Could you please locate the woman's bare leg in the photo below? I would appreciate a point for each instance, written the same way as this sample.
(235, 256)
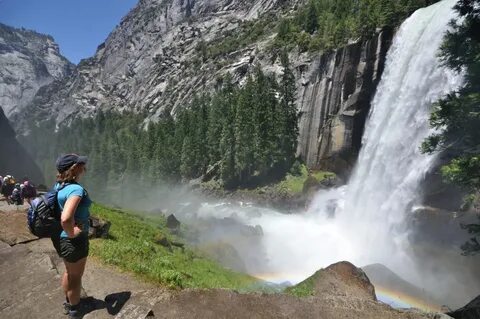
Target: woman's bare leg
(73, 279)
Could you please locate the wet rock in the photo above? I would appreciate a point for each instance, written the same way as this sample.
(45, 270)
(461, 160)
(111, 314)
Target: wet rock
(469, 311)
(335, 99)
(165, 242)
(173, 223)
(310, 185)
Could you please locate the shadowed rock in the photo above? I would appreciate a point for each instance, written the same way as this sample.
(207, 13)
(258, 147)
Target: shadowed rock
(14, 159)
(469, 311)
(172, 222)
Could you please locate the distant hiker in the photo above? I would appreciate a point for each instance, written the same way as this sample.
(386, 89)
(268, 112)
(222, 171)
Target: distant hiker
(28, 191)
(7, 187)
(16, 197)
(71, 243)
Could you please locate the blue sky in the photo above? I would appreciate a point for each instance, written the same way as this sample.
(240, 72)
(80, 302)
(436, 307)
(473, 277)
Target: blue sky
(78, 26)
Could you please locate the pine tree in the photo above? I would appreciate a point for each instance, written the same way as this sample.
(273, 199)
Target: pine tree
(228, 147)
(264, 121)
(311, 18)
(288, 112)
(245, 132)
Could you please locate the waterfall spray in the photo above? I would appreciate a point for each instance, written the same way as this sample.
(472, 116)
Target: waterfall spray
(368, 225)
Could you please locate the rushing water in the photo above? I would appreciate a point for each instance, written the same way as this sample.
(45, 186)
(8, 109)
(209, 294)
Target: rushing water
(364, 221)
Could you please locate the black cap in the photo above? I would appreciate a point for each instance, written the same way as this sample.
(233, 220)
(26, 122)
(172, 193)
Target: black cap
(64, 162)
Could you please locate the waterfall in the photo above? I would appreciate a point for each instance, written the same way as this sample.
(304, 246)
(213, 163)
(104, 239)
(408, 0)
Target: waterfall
(364, 221)
(385, 182)
(369, 221)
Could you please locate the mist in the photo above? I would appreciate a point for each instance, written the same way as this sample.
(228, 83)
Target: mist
(377, 217)
(286, 248)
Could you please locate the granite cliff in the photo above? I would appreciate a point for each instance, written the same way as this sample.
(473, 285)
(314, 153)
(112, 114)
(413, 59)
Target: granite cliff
(14, 159)
(154, 61)
(28, 61)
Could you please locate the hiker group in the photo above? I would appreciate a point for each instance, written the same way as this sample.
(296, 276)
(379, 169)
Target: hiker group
(16, 193)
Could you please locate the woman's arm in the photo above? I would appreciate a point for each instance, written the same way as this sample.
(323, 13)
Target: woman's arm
(67, 219)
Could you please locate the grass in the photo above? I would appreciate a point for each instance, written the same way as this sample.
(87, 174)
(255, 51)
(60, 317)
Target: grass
(132, 248)
(293, 184)
(304, 288)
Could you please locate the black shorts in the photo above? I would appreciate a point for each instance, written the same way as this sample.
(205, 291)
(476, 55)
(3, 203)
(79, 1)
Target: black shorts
(71, 249)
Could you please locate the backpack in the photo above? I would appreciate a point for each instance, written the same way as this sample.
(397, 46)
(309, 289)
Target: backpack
(43, 216)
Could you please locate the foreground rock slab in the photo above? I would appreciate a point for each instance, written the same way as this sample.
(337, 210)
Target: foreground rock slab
(30, 288)
(13, 224)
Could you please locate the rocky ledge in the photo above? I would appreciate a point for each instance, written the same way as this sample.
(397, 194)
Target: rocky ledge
(339, 291)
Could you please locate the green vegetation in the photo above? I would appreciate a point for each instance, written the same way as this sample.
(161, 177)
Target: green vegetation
(132, 247)
(316, 25)
(294, 183)
(329, 24)
(457, 117)
(305, 288)
(241, 135)
(247, 33)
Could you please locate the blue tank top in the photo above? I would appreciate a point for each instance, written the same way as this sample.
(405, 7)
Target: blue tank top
(82, 212)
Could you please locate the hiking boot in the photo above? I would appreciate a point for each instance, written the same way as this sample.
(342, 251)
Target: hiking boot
(74, 314)
(66, 308)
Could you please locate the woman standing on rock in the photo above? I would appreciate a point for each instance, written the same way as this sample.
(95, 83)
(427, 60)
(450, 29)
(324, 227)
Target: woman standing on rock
(71, 242)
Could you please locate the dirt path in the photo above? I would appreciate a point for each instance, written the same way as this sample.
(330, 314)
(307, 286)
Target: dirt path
(30, 272)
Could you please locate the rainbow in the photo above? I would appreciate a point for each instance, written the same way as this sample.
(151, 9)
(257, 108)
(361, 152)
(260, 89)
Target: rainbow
(398, 299)
(394, 298)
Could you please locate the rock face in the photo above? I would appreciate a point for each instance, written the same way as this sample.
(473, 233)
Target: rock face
(153, 62)
(470, 311)
(334, 100)
(150, 61)
(14, 159)
(28, 61)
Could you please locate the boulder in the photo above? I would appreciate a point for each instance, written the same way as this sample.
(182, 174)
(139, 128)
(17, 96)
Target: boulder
(172, 222)
(98, 227)
(345, 276)
(469, 311)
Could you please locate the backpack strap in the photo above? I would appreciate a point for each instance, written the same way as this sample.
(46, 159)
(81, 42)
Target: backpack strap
(65, 184)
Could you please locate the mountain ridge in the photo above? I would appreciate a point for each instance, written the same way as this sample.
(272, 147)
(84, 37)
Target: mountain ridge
(29, 60)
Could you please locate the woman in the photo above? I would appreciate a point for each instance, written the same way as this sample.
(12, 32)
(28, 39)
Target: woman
(71, 242)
